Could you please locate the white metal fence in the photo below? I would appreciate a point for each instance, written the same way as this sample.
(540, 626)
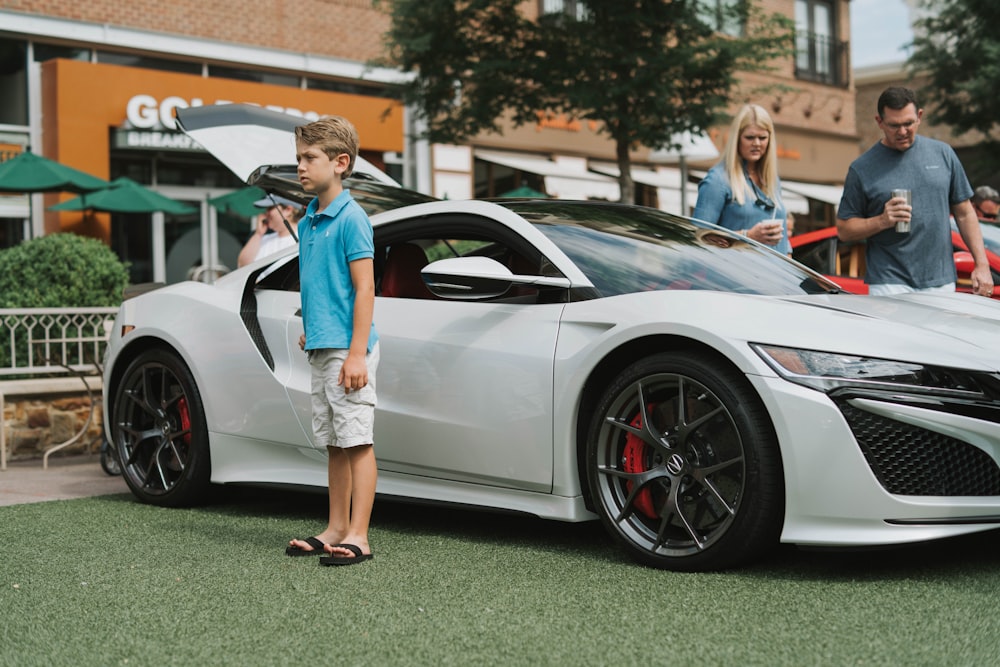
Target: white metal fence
(43, 341)
(50, 342)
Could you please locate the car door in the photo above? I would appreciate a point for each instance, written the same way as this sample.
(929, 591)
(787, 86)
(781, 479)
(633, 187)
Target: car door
(273, 314)
(465, 388)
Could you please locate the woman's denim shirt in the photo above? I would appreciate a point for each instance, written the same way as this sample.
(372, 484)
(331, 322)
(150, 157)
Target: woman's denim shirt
(716, 204)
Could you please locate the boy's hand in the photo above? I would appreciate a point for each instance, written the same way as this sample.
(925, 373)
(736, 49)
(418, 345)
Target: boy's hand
(302, 341)
(353, 374)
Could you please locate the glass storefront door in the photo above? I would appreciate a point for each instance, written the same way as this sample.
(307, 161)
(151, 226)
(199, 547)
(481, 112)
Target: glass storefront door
(172, 248)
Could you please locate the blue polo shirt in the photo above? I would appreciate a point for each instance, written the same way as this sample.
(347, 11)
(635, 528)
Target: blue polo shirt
(329, 240)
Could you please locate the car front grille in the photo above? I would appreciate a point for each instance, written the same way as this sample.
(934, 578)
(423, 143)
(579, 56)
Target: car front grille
(912, 461)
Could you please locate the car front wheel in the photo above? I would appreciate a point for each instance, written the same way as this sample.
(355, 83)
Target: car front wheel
(683, 464)
(159, 431)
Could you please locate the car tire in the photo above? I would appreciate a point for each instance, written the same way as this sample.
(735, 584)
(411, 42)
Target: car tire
(683, 464)
(159, 432)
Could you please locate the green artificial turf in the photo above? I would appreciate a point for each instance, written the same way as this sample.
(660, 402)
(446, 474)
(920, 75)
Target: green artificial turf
(108, 581)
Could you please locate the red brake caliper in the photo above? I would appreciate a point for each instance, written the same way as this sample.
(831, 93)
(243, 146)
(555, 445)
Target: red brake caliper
(634, 456)
(185, 415)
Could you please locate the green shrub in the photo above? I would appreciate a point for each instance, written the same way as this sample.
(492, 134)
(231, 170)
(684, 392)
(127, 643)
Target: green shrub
(61, 271)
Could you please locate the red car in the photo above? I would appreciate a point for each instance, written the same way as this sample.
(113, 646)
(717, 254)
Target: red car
(844, 262)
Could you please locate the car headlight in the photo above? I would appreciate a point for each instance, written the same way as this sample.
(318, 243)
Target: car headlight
(830, 371)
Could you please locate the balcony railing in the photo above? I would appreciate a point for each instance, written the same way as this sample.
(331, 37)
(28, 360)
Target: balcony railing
(822, 59)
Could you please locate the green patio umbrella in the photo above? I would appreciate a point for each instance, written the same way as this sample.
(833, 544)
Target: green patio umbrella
(124, 195)
(27, 173)
(524, 192)
(239, 202)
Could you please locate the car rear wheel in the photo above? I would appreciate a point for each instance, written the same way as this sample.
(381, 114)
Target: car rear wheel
(159, 431)
(683, 465)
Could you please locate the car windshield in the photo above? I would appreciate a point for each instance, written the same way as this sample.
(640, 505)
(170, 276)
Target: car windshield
(625, 249)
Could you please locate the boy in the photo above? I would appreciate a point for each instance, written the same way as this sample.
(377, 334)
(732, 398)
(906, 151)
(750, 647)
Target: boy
(336, 271)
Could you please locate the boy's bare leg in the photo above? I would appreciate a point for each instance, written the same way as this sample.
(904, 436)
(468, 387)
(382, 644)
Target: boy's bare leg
(339, 479)
(363, 475)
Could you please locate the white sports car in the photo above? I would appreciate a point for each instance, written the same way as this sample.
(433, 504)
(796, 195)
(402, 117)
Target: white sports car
(701, 395)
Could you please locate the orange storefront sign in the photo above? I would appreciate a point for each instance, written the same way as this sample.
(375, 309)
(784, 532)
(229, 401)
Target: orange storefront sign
(82, 102)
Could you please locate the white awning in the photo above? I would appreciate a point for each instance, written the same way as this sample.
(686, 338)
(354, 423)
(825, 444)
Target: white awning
(669, 199)
(666, 177)
(794, 203)
(829, 194)
(565, 177)
(691, 147)
(14, 206)
(666, 180)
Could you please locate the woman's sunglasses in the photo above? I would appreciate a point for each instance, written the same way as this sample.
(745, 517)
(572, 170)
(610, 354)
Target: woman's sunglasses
(764, 202)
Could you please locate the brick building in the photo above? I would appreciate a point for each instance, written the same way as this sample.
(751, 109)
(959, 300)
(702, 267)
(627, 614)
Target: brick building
(94, 85)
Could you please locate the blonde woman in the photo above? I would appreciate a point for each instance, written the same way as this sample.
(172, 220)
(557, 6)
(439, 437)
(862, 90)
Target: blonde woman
(742, 192)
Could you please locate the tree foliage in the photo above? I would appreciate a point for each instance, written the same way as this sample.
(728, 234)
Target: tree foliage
(646, 70)
(60, 271)
(958, 47)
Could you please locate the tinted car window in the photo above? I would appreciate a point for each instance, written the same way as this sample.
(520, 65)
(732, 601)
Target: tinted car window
(624, 249)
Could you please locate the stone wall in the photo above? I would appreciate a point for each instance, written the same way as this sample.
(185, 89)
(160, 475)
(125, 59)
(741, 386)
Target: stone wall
(34, 422)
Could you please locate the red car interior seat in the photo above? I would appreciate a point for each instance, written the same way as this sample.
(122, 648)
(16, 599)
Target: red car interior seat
(401, 277)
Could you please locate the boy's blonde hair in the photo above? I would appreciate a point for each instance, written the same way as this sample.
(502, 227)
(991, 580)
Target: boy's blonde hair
(334, 135)
(751, 114)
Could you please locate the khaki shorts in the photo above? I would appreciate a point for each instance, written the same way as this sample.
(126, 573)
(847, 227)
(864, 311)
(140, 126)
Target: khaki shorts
(339, 418)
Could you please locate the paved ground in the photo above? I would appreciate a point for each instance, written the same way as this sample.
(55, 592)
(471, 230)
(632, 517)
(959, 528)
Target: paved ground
(66, 477)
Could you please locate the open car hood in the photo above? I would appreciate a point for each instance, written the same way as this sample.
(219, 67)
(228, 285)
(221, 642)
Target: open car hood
(258, 145)
(243, 137)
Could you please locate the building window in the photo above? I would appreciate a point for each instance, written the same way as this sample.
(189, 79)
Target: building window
(576, 9)
(13, 82)
(241, 74)
(11, 232)
(44, 52)
(820, 56)
(351, 87)
(148, 62)
(722, 15)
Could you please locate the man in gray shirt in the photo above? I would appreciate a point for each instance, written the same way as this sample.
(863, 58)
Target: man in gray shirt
(919, 259)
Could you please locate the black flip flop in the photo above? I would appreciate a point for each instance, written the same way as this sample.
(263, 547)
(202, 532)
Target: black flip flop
(358, 556)
(316, 544)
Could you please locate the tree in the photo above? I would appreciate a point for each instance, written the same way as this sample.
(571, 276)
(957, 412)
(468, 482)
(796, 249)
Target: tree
(958, 47)
(646, 70)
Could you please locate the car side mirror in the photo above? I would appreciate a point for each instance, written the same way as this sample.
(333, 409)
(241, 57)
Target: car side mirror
(467, 278)
(474, 278)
